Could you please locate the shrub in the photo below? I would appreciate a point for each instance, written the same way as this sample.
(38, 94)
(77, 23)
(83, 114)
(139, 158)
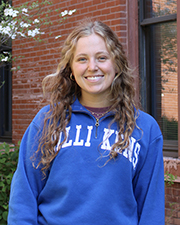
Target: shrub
(8, 164)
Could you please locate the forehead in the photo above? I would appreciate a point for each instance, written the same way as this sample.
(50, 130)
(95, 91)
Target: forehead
(91, 42)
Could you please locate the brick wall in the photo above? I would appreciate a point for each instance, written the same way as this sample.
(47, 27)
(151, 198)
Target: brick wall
(40, 59)
(172, 205)
(172, 192)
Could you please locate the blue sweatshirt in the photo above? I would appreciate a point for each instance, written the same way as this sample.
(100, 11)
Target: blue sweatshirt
(81, 188)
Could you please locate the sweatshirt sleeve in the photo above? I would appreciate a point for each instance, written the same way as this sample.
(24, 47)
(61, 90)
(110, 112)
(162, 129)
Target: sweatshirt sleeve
(149, 185)
(27, 182)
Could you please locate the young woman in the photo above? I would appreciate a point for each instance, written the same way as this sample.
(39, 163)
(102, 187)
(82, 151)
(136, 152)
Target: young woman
(90, 156)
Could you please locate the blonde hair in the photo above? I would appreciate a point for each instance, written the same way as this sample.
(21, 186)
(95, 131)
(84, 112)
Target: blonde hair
(63, 91)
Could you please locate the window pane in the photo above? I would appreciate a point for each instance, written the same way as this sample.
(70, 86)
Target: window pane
(156, 8)
(169, 82)
(5, 101)
(164, 83)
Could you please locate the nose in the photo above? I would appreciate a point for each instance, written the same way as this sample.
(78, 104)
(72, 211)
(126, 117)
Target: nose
(92, 65)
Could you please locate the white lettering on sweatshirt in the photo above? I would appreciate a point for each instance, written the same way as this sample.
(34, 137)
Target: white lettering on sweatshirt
(131, 152)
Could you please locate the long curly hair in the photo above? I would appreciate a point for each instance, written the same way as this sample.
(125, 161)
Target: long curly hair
(63, 91)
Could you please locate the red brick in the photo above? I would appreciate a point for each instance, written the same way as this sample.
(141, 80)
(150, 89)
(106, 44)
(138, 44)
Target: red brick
(87, 4)
(176, 221)
(42, 58)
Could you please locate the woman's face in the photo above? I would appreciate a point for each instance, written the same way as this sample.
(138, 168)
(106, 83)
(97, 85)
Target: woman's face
(93, 67)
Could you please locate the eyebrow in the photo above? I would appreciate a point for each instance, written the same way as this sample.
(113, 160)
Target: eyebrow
(97, 53)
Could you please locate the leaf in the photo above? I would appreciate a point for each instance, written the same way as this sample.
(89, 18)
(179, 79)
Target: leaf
(8, 164)
(4, 215)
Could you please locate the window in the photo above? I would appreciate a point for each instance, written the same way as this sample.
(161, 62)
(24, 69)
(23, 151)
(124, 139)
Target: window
(5, 95)
(158, 67)
(5, 102)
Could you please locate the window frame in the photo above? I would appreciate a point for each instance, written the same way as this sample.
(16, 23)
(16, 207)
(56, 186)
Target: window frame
(6, 94)
(6, 103)
(171, 148)
(178, 56)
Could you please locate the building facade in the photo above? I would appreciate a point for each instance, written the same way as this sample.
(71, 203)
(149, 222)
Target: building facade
(150, 33)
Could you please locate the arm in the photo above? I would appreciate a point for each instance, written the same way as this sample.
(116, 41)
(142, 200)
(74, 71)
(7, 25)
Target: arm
(26, 184)
(149, 186)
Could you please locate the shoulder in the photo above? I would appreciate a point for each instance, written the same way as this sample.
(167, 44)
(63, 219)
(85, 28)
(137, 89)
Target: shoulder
(148, 124)
(146, 120)
(40, 116)
(149, 137)
(34, 131)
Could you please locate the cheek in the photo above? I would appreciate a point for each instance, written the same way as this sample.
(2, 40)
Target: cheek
(77, 69)
(110, 69)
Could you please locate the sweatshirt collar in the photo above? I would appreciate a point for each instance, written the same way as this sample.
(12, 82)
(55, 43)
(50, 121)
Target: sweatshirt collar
(77, 106)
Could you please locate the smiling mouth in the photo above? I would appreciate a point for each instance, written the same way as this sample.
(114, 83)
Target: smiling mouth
(94, 77)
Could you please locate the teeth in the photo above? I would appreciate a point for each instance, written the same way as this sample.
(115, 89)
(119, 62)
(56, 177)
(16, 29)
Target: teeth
(92, 78)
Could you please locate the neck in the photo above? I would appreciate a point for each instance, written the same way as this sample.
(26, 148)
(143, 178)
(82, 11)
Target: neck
(94, 101)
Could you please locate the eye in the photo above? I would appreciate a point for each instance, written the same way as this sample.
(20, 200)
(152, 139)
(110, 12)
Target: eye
(82, 59)
(102, 58)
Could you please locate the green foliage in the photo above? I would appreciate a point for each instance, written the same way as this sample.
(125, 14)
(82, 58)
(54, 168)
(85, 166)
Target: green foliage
(169, 178)
(1, 84)
(8, 164)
